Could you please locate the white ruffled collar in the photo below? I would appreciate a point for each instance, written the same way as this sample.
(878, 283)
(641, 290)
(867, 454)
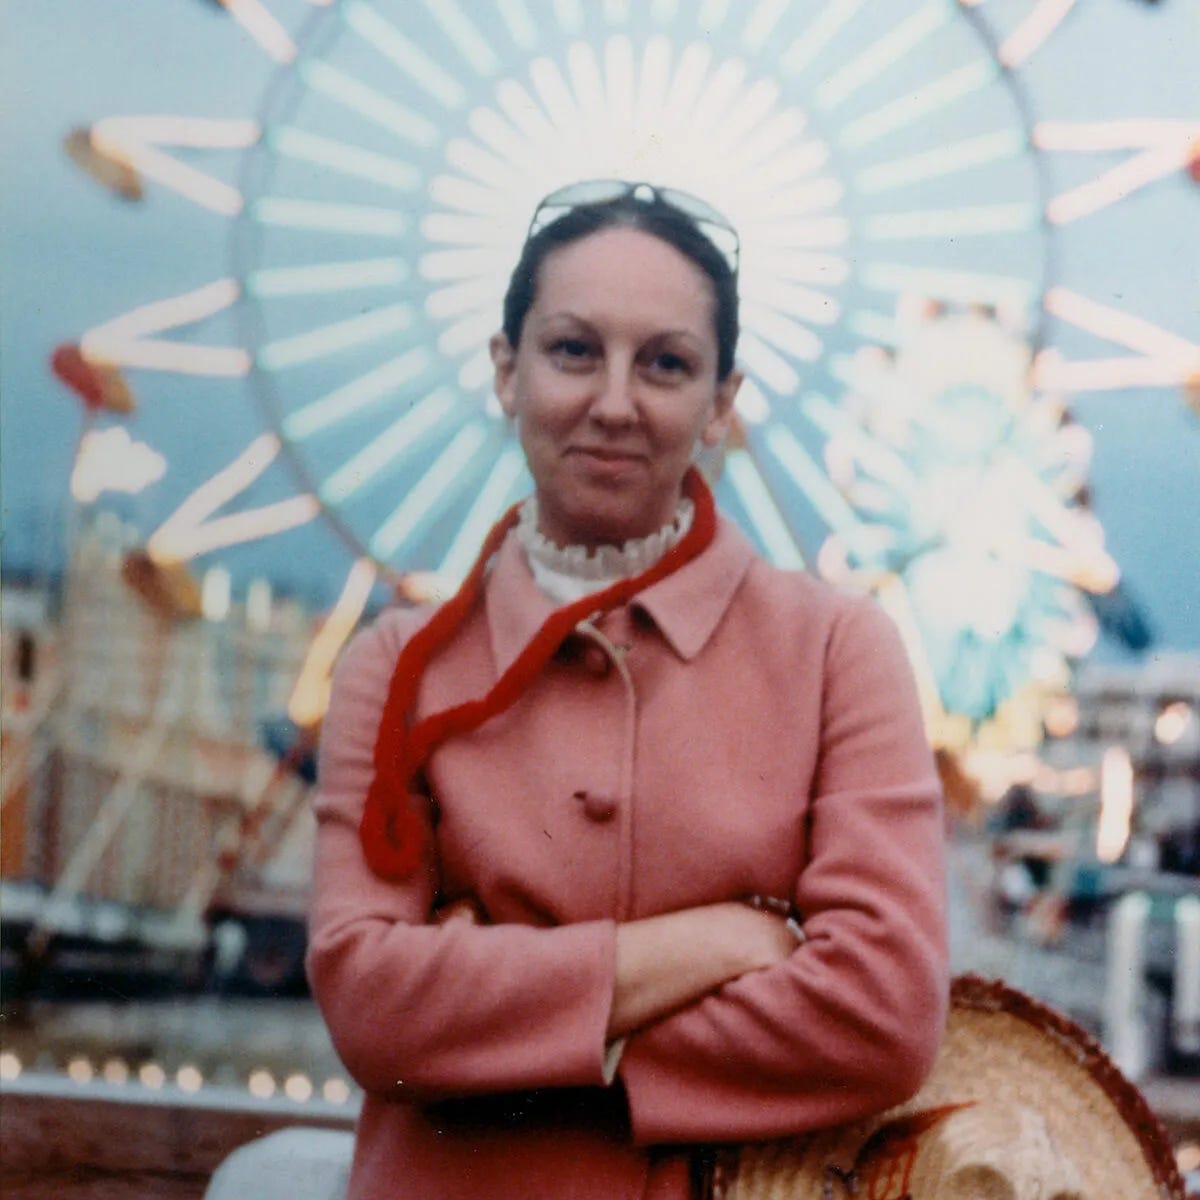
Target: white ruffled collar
(567, 573)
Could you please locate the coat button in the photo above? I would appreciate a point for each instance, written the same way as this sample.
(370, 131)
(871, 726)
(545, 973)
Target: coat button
(597, 806)
(596, 662)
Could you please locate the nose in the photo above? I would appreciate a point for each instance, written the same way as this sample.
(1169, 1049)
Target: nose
(615, 401)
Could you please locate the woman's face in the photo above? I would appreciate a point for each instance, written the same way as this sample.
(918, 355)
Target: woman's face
(613, 382)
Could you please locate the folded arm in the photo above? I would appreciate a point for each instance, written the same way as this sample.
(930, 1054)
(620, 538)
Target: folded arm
(850, 1022)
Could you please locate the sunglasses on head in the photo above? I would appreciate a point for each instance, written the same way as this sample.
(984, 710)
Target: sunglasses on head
(584, 192)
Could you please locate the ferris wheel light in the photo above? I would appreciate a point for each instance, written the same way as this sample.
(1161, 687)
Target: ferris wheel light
(569, 14)
(820, 32)
(417, 506)
(368, 102)
(346, 160)
(771, 368)
(751, 405)
(1116, 326)
(351, 398)
(768, 521)
(945, 160)
(327, 340)
(875, 327)
(1116, 804)
(400, 438)
(785, 334)
(109, 460)
(235, 529)
(498, 486)
(156, 355)
(978, 221)
(810, 479)
(185, 309)
(380, 34)
(882, 54)
(520, 24)
(358, 219)
(761, 23)
(257, 20)
(465, 35)
(310, 695)
(931, 98)
(966, 287)
(1132, 133)
(1024, 41)
(327, 277)
(1119, 182)
(1112, 374)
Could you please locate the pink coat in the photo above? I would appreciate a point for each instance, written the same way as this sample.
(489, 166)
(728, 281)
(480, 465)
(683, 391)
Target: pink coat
(735, 730)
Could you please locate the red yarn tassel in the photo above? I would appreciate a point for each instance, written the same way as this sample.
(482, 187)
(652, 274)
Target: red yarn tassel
(393, 838)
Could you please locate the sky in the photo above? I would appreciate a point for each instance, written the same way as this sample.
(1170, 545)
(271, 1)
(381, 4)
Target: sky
(72, 255)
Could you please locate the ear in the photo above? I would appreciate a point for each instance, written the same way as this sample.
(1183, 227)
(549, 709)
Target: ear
(717, 426)
(504, 371)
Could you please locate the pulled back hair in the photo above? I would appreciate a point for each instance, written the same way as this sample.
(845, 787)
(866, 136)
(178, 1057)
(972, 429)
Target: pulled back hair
(653, 217)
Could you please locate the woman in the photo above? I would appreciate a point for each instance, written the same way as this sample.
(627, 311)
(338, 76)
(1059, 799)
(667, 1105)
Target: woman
(569, 824)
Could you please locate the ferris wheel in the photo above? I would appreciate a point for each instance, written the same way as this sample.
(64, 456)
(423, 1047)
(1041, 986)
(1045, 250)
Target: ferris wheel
(905, 424)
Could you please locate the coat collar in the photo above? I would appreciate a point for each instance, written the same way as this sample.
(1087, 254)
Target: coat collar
(686, 607)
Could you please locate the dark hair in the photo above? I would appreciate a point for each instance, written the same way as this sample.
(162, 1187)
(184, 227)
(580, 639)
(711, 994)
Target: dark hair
(653, 217)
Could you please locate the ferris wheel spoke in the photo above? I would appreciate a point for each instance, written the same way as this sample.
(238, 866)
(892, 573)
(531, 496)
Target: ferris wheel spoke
(496, 490)
(333, 338)
(811, 479)
(382, 36)
(771, 368)
(355, 397)
(321, 278)
(519, 22)
(569, 15)
(310, 694)
(427, 493)
(882, 54)
(124, 340)
(966, 287)
(783, 333)
(1033, 32)
(402, 439)
(263, 26)
(192, 529)
(760, 507)
(983, 220)
(345, 159)
(959, 156)
(359, 220)
(464, 35)
(138, 142)
(368, 102)
(924, 102)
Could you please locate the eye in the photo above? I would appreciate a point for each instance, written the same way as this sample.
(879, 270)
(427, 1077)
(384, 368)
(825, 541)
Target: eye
(668, 366)
(572, 352)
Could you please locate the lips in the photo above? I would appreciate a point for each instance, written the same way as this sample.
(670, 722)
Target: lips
(608, 454)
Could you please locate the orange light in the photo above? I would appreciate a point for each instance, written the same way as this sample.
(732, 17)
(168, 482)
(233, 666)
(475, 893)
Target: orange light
(1172, 723)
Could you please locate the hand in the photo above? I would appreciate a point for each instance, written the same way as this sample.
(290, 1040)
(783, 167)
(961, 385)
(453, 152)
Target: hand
(465, 910)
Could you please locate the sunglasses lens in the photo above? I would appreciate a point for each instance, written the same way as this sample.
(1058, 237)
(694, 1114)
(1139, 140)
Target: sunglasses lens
(602, 191)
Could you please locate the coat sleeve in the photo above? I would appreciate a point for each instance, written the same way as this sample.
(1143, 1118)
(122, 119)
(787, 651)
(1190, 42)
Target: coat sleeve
(427, 1011)
(850, 1024)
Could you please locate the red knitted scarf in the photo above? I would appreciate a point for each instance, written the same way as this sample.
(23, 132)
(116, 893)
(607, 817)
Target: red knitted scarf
(392, 836)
